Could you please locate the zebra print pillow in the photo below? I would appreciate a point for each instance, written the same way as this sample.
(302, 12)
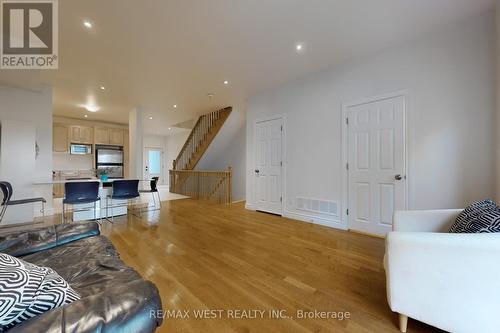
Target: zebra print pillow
(481, 216)
(27, 290)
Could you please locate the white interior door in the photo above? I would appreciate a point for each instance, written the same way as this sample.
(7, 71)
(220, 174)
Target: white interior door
(268, 165)
(376, 164)
(153, 164)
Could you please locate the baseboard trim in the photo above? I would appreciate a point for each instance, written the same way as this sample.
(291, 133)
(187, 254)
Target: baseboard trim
(332, 223)
(250, 206)
(238, 201)
(366, 233)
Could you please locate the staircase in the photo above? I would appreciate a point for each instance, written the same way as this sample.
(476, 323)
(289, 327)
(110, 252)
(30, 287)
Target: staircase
(211, 185)
(201, 136)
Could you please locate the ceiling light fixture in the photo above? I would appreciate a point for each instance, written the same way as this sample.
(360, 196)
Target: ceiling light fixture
(299, 47)
(226, 82)
(87, 24)
(175, 106)
(91, 108)
(150, 118)
(86, 116)
(102, 88)
(170, 128)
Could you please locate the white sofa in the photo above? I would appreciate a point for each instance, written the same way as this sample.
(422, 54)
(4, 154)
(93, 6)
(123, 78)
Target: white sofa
(450, 281)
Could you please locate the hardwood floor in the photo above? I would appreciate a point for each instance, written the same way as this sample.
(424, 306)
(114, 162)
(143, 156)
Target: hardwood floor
(223, 257)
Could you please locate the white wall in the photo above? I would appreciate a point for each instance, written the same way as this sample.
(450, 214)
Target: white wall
(136, 148)
(228, 149)
(449, 76)
(174, 146)
(31, 107)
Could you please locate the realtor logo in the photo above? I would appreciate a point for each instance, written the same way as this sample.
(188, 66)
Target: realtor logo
(29, 34)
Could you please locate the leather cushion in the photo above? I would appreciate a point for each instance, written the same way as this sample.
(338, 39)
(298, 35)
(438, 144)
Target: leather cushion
(24, 242)
(114, 297)
(27, 290)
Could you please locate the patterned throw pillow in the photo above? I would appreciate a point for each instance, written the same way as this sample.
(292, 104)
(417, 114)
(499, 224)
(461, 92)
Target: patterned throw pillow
(27, 290)
(481, 216)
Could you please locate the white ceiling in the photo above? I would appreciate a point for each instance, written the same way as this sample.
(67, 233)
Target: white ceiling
(156, 53)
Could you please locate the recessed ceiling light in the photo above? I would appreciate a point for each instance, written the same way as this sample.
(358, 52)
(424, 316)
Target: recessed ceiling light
(91, 108)
(86, 116)
(299, 47)
(102, 88)
(175, 106)
(87, 24)
(170, 128)
(150, 118)
(226, 82)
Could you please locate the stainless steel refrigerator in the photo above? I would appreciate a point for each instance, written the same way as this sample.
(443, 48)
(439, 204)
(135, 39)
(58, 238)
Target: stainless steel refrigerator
(109, 158)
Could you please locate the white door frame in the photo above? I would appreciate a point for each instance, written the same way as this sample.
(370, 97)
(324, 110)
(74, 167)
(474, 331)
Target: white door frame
(281, 116)
(345, 148)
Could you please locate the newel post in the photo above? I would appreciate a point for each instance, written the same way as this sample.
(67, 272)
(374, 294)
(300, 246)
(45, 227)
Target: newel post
(229, 194)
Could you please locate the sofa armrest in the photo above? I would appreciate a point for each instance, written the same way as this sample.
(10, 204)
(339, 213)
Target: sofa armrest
(439, 220)
(446, 280)
(20, 243)
(132, 307)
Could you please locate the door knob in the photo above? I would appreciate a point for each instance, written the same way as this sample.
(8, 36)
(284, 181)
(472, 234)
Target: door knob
(398, 177)
(257, 170)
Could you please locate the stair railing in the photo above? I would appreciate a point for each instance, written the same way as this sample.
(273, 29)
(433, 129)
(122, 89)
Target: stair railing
(200, 184)
(197, 139)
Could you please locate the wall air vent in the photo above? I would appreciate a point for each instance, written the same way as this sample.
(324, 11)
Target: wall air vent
(317, 206)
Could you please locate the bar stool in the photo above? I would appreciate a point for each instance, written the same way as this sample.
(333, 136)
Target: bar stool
(153, 189)
(122, 190)
(81, 193)
(7, 191)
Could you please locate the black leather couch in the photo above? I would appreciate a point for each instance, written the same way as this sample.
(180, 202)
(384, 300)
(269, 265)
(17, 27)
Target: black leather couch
(114, 297)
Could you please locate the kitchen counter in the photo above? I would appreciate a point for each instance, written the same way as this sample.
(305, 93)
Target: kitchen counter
(62, 181)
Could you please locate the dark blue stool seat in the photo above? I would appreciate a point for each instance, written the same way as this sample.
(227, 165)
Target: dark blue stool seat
(81, 193)
(126, 189)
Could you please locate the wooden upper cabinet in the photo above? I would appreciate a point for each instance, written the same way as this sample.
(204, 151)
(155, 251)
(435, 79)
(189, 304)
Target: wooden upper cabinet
(116, 136)
(87, 134)
(60, 142)
(80, 134)
(64, 135)
(101, 136)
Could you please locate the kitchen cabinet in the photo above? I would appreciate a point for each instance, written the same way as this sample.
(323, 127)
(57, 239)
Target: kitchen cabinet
(60, 142)
(80, 134)
(65, 134)
(101, 136)
(116, 136)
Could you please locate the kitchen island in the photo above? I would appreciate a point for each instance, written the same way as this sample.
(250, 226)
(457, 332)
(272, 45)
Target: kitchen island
(102, 209)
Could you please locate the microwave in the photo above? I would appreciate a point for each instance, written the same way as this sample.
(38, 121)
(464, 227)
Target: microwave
(78, 149)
